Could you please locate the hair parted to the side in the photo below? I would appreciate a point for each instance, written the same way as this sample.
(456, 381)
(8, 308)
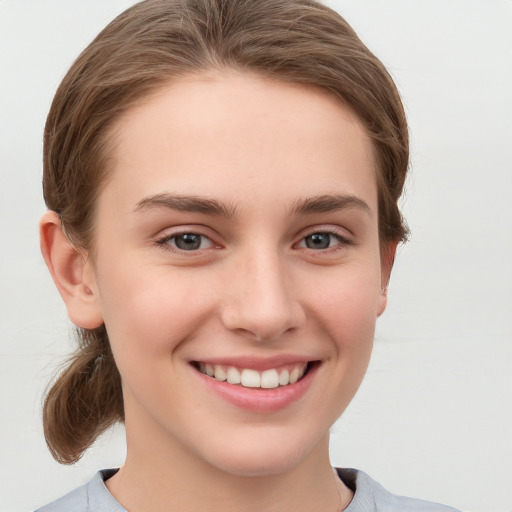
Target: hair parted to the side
(147, 46)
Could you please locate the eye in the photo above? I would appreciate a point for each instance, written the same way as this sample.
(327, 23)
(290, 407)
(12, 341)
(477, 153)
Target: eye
(186, 242)
(323, 240)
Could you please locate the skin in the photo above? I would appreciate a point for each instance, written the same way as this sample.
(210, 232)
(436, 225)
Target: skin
(252, 288)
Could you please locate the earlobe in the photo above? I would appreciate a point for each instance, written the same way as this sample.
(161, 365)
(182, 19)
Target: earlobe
(383, 301)
(68, 269)
(387, 260)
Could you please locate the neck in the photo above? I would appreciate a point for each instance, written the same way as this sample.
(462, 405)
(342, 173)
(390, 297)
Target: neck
(161, 475)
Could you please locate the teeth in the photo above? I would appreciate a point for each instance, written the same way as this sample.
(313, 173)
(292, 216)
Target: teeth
(233, 375)
(249, 378)
(269, 379)
(294, 376)
(220, 374)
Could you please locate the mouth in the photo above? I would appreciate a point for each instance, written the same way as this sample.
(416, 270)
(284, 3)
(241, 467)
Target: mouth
(271, 378)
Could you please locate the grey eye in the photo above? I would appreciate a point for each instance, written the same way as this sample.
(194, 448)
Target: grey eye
(188, 241)
(318, 240)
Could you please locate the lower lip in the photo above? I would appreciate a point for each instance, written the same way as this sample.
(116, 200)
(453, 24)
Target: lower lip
(258, 399)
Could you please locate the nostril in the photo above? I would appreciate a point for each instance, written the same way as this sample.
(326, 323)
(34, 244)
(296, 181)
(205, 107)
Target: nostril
(261, 304)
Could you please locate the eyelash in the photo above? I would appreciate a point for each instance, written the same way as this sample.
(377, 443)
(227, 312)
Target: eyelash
(342, 242)
(165, 245)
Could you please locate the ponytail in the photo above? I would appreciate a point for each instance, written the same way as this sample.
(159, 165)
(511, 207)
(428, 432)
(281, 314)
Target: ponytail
(85, 399)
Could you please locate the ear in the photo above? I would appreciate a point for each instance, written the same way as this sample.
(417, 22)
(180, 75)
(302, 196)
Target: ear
(387, 258)
(71, 273)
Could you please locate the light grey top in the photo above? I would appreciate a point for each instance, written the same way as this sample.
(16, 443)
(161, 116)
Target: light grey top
(369, 496)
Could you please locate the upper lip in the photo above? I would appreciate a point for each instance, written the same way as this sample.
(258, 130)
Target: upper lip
(256, 363)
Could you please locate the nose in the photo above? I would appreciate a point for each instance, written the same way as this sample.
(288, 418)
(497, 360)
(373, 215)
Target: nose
(262, 302)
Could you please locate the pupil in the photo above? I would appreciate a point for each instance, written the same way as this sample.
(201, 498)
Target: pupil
(188, 242)
(318, 241)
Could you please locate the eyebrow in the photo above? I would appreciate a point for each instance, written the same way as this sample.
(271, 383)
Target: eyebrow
(329, 203)
(187, 204)
(307, 206)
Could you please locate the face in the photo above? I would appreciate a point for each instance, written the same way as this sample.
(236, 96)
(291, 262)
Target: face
(237, 269)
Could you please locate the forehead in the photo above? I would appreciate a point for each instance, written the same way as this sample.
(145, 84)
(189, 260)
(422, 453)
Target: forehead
(237, 132)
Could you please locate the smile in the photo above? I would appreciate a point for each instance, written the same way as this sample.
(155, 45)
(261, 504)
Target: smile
(255, 385)
(251, 378)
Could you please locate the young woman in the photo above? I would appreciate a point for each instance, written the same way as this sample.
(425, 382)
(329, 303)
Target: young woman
(222, 181)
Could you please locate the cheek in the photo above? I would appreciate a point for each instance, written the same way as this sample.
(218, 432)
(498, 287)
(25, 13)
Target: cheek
(348, 307)
(347, 315)
(150, 310)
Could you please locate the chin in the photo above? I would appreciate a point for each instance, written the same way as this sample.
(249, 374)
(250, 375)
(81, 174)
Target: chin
(260, 458)
(259, 466)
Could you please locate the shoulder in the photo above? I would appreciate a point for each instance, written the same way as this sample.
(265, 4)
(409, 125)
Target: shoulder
(90, 497)
(370, 496)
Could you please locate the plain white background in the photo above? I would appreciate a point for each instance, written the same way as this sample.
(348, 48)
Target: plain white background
(433, 418)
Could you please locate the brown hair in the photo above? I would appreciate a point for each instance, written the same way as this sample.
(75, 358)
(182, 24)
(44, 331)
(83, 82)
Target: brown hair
(142, 49)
